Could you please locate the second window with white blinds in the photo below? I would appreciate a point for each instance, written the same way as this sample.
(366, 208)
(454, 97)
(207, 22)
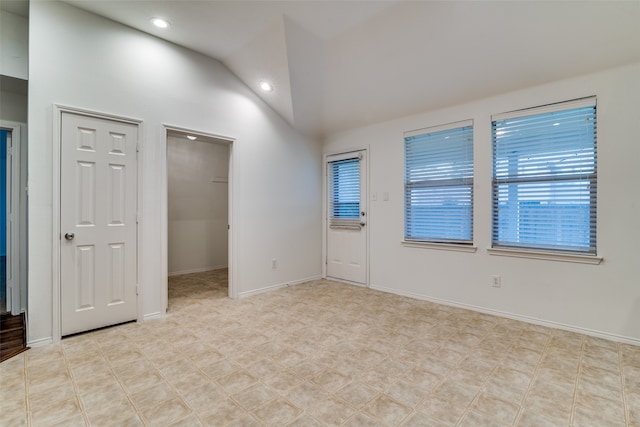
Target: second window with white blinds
(439, 184)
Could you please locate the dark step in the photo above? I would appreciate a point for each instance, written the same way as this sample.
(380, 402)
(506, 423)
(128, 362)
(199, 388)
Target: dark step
(13, 336)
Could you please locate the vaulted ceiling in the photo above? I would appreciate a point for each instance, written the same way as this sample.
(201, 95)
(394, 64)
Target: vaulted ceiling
(341, 64)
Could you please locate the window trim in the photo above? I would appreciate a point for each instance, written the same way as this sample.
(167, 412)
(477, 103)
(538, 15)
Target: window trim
(545, 255)
(444, 246)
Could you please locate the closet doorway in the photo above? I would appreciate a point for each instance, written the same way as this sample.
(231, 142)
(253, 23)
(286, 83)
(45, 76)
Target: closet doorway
(198, 209)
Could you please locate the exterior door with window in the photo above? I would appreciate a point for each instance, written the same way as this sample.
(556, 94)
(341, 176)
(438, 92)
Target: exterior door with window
(347, 217)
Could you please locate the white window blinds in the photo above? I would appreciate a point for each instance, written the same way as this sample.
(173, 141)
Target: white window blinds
(439, 184)
(344, 193)
(545, 177)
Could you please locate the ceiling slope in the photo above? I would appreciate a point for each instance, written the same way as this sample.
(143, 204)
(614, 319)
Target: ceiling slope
(337, 64)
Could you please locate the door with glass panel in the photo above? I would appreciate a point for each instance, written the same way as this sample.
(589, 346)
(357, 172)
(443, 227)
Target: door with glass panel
(347, 217)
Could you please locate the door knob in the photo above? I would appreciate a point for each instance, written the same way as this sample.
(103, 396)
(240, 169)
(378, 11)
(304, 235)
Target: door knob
(69, 236)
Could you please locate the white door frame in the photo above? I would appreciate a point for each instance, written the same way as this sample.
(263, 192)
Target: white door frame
(325, 218)
(58, 110)
(164, 238)
(13, 226)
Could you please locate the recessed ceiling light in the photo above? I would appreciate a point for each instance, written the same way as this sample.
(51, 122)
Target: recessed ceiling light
(160, 23)
(266, 86)
(191, 137)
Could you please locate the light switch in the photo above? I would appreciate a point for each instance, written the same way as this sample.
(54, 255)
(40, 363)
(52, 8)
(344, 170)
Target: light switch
(385, 196)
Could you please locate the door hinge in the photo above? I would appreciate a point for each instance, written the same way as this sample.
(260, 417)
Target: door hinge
(137, 290)
(138, 218)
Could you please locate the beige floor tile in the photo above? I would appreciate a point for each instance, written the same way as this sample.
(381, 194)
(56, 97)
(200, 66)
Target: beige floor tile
(387, 410)
(141, 381)
(166, 412)
(363, 420)
(57, 412)
(255, 396)
(115, 419)
(321, 353)
(498, 410)
(474, 419)
(601, 387)
(331, 380)
(607, 407)
(584, 416)
(423, 378)
(306, 395)
(331, 411)
(407, 393)
(283, 381)
(89, 383)
(188, 421)
(537, 418)
(152, 396)
(304, 421)
(236, 381)
(277, 412)
(308, 368)
(74, 421)
(13, 412)
(136, 367)
(508, 384)
(418, 419)
(49, 381)
(190, 382)
(442, 409)
(178, 370)
(220, 369)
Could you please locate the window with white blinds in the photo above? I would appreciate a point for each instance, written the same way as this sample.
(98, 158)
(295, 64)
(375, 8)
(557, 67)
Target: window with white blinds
(439, 184)
(545, 177)
(344, 193)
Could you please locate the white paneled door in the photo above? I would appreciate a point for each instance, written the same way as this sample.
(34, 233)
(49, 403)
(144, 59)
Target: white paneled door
(98, 210)
(347, 217)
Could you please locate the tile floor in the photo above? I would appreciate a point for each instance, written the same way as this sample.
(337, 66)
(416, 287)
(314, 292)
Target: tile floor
(321, 353)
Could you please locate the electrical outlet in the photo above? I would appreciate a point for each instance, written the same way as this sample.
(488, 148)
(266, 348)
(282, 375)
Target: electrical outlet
(496, 281)
(274, 263)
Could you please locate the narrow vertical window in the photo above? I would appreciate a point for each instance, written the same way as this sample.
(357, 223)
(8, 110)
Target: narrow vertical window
(545, 177)
(344, 193)
(439, 184)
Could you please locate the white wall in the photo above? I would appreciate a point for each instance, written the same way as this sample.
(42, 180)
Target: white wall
(14, 45)
(81, 60)
(198, 204)
(600, 299)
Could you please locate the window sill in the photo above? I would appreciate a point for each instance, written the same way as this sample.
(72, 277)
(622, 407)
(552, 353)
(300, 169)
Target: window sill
(548, 256)
(439, 246)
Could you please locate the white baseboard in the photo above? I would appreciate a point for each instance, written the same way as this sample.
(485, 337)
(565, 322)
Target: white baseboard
(348, 282)
(196, 270)
(151, 316)
(278, 286)
(522, 318)
(40, 342)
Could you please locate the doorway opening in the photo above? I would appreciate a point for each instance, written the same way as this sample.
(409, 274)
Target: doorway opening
(198, 214)
(10, 300)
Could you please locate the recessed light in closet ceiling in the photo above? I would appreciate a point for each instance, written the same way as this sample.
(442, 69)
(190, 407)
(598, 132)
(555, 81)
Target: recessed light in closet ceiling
(160, 22)
(266, 86)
